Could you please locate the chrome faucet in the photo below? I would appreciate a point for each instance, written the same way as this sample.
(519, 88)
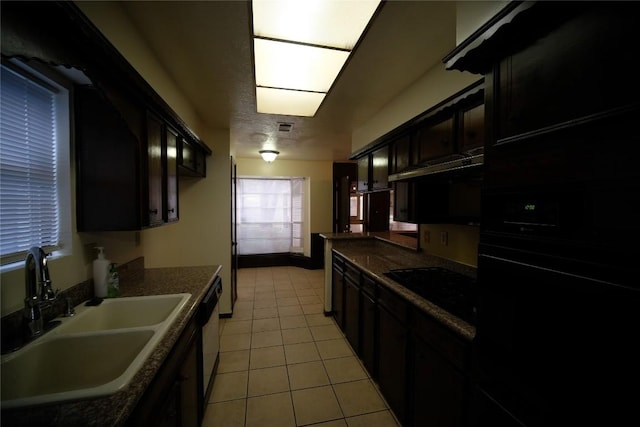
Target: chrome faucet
(38, 291)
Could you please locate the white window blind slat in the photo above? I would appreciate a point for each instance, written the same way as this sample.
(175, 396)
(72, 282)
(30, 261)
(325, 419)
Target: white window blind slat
(28, 185)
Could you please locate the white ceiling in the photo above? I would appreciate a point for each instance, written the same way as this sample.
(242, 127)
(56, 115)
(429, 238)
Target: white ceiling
(206, 48)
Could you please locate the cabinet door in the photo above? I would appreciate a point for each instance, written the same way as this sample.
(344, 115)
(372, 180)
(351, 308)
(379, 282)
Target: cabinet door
(435, 140)
(155, 169)
(168, 413)
(472, 128)
(352, 313)
(171, 197)
(191, 159)
(108, 175)
(189, 387)
(337, 296)
(377, 211)
(401, 154)
(380, 169)
(438, 389)
(402, 200)
(363, 174)
(368, 333)
(392, 362)
(392, 350)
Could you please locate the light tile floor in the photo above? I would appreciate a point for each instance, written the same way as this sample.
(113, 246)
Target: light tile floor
(284, 363)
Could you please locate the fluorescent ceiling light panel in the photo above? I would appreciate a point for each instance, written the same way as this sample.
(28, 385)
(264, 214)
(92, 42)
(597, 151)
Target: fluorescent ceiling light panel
(300, 47)
(293, 66)
(335, 23)
(288, 102)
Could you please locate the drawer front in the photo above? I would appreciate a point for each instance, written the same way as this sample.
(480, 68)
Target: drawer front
(338, 262)
(449, 345)
(352, 272)
(395, 304)
(368, 286)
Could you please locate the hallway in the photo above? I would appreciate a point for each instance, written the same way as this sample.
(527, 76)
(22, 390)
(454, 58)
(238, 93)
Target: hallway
(283, 363)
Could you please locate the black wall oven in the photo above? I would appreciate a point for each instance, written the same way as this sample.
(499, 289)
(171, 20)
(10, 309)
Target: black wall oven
(558, 303)
(558, 294)
(555, 345)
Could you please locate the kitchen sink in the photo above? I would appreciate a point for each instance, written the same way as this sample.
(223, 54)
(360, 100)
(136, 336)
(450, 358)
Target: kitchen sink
(95, 353)
(131, 312)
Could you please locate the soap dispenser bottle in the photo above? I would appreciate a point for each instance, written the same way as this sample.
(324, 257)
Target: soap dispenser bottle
(100, 273)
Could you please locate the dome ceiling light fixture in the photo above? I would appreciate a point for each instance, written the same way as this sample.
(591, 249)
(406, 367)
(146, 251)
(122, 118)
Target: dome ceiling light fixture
(296, 58)
(269, 155)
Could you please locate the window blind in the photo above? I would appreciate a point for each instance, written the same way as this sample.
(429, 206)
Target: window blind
(28, 190)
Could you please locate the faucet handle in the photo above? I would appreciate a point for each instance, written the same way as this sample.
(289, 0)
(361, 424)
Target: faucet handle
(48, 293)
(69, 310)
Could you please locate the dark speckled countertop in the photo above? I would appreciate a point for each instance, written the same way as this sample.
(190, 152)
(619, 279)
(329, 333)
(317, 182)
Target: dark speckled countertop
(375, 256)
(115, 409)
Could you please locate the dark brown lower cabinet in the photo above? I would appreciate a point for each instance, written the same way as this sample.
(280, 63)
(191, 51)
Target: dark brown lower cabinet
(189, 389)
(172, 397)
(420, 365)
(392, 352)
(337, 292)
(352, 313)
(368, 329)
(437, 390)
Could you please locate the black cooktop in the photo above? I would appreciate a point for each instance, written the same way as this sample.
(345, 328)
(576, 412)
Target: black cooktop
(453, 292)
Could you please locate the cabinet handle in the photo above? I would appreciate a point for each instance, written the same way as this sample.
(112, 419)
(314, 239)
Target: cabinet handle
(171, 210)
(153, 211)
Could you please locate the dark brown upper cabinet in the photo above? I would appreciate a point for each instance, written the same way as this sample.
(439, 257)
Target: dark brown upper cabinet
(109, 170)
(435, 139)
(171, 175)
(373, 170)
(191, 160)
(401, 156)
(380, 169)
(471, 127)
(453, 127)
(125, 177)
(162, 142)
(364, 165)
(128, 139)
(155, 170)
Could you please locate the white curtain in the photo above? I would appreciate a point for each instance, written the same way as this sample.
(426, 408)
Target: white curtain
(269, 215)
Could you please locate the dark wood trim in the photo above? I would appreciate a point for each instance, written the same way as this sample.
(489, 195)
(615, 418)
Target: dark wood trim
(314, 262)
(468, 94)
(516, 26)
(277, 260)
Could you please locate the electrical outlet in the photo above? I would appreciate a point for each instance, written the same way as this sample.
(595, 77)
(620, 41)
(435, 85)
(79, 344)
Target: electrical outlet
(427, 236)
(444, 238)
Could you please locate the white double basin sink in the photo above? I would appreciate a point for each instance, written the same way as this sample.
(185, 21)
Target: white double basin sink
(95, 353)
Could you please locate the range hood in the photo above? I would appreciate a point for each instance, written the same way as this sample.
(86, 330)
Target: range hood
(454, 163)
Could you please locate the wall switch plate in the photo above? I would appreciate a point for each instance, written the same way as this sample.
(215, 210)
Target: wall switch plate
(444, 238)
(427, 236)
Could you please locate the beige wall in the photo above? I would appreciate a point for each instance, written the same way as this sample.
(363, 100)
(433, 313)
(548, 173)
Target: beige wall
(471, 15)
(461, 242)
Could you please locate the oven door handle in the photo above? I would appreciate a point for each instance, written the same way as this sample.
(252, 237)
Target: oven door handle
(210, 301)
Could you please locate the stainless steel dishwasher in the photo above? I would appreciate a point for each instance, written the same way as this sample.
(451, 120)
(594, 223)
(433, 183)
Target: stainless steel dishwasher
(209, 316)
